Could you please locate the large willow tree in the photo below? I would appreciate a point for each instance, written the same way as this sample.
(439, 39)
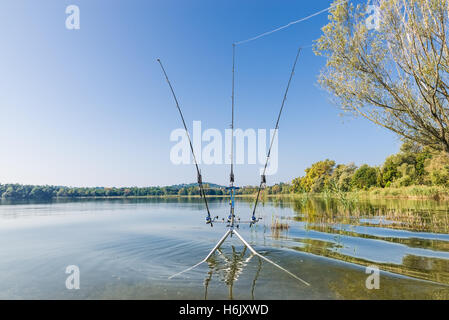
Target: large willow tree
(396, 74)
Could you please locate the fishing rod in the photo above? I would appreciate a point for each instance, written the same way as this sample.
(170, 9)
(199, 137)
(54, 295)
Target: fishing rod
(231, 176)
(231, 187)
(209, 220)
(263, 180)
(231, 230)
(231, 219)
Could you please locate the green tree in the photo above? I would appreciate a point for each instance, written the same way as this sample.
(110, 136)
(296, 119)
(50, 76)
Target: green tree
(342, 175)
(406, 167)
(276, 189)
(37, 193)
(10, 193)
(316, 177)
(438, 169)
(364, 177)
(396, 76)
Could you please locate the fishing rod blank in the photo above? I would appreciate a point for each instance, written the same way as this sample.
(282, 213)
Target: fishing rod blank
(232, 188)
(231, 176)
(199, 177)
(263, 177)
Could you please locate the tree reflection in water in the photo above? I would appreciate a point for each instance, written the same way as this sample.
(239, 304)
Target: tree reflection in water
(413, 234)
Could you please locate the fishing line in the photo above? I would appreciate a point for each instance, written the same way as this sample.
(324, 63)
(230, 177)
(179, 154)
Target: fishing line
(232, 188)
(290, 24)
(263, 177)
(199, 177)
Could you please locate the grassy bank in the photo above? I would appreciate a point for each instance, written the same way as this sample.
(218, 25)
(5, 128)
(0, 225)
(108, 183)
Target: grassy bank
(411, 192)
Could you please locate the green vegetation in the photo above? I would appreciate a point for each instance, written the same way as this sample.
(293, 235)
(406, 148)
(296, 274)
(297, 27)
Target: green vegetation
(416, 172)
(395, 72)
(413, 172)
(316, 178)
(24, 192)
(364, 178)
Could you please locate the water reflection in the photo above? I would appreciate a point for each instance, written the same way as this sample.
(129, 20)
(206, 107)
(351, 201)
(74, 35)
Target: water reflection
(127, 248)
(413, 215)
(228, 269)
(401, 236)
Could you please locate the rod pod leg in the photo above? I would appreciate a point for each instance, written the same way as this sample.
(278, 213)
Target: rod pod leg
(268, 260)
(219, 243)
(253, 251)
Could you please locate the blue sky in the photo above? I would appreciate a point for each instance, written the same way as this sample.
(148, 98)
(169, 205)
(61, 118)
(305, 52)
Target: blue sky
(90, 107)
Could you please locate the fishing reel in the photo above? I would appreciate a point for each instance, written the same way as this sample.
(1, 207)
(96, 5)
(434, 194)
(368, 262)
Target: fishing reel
(210, 220)
(254, 220)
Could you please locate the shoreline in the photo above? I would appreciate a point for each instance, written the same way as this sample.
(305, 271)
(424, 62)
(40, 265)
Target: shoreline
(400, 193)
(366, 195)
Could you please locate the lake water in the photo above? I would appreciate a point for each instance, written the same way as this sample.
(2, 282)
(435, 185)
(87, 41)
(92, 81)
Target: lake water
(127, 249)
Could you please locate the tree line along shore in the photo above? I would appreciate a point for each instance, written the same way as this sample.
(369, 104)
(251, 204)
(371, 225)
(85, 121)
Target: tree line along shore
(414, 172)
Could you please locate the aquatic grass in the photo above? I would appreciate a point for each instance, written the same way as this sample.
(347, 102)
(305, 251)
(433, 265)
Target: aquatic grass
(279, 224)
(410, 192)
(327, 193)
(347, 199)
(304, 199)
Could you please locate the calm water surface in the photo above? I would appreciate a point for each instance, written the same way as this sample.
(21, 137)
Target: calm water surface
(127, 249)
